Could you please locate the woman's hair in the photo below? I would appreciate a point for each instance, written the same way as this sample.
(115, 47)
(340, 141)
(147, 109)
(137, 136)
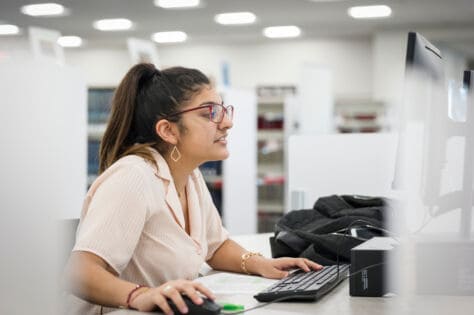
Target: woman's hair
(144, 96)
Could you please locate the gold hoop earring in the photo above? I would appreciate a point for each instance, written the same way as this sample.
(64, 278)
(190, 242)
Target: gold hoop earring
(175, 154)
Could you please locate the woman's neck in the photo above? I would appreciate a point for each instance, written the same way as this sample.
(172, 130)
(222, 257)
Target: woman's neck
(180, 172)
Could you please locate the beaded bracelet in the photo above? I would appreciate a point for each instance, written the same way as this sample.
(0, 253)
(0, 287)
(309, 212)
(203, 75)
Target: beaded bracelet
(244, 258)
(129, 296)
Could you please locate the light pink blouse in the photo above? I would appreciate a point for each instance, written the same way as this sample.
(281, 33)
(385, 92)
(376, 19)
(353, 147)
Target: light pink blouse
(132, 218)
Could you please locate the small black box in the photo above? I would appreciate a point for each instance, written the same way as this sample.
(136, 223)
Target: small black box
(369, 265)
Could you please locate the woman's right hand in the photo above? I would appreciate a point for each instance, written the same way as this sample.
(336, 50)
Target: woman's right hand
(148, 301)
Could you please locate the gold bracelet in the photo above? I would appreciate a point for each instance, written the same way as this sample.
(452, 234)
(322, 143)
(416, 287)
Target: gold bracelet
(244, 258)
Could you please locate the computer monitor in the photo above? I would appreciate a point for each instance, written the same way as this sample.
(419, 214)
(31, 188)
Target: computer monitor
(424, 133)
(423, 56)
(466, 214)
(467, 80)
(435, 175)
(421, 126)
(425, 73)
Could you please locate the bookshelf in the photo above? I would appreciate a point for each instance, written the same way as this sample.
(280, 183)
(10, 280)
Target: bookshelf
(360, 116)
(98, 108)
(271, 170)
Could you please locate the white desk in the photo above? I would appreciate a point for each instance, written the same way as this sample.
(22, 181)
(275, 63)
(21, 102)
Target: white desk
(338, 301)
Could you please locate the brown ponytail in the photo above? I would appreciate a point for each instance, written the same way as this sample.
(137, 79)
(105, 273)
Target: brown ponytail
(144, 96)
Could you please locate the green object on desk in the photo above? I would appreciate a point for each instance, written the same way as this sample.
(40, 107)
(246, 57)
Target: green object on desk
(232, 307)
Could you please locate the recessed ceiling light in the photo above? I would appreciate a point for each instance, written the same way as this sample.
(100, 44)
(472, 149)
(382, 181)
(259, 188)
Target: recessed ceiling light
(175, 4)
(43, 9)
(169, 37)
(70, 41)
(369, 12)
(233, 18)
(9, 29)
(113, 24)
(282, 31)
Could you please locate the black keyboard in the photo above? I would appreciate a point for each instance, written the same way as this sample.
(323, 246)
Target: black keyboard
(301, 285)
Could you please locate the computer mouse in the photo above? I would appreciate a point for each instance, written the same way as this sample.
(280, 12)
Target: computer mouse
(208, 307)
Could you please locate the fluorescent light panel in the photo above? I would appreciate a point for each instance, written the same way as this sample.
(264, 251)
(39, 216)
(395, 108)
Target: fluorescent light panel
(119, 24)
(169, 37)
(233, 18)
(370, 12)
(43, 9)
(9, 29)
(282, 31)
(174, 4)
(70, 41)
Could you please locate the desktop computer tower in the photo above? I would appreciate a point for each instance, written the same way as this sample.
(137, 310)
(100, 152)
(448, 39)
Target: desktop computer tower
(369, 267)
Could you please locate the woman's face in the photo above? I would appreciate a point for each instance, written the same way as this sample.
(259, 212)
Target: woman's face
(203, 140)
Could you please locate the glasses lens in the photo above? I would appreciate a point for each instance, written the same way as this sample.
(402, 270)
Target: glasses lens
(217, 112)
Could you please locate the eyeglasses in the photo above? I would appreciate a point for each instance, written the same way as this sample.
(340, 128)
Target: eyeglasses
(216, 112)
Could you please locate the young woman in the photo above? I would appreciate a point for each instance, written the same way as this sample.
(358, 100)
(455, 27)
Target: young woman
(148, 222)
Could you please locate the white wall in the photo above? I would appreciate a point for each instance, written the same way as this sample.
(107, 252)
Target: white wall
(42, 175)
(240, 169)
(389, 50)
(101, 68)
(250, 65)
(280, 62)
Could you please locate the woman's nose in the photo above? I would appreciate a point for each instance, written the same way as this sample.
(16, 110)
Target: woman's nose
(226, 123)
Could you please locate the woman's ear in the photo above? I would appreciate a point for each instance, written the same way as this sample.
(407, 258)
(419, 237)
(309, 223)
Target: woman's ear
(167, 131)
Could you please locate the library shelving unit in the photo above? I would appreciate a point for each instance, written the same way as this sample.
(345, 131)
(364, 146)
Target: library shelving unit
(360, 116)
(98, 109)
(271, 156)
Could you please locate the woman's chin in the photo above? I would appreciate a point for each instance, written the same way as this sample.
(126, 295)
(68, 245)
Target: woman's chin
(222, 155)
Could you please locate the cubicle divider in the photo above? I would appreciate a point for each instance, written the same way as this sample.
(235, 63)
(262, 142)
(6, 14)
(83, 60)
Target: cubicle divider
(321, 165)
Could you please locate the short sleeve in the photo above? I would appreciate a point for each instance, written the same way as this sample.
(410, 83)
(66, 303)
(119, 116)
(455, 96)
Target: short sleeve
(114, 220)
(216, 234)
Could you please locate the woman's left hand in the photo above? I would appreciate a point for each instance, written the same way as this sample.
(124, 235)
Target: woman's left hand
(278, 268)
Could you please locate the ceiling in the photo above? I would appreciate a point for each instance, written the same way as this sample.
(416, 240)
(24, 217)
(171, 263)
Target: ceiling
(447, 22)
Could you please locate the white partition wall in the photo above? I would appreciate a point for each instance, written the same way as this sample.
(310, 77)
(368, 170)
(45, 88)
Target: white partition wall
(321, 165)
(42, 174)
(240, 169)
(316, 100)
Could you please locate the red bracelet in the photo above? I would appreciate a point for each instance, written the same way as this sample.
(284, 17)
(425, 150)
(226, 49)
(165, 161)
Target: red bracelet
(129, 296)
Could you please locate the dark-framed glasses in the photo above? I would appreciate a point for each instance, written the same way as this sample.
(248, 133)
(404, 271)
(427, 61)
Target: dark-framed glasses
(216, 112)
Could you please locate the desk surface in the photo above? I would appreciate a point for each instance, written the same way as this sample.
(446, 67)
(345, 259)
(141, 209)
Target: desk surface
(338, 301)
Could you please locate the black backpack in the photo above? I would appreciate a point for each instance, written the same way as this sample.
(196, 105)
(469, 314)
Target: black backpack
(326, 233)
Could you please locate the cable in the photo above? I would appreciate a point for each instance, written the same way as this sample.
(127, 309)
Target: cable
(340, 241)
(428, 216)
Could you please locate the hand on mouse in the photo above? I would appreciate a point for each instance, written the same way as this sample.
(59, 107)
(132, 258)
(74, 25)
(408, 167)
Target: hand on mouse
(148, 300)
(278, 268)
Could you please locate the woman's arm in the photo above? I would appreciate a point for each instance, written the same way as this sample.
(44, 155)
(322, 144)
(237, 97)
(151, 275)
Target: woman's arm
(89, 277)
(228, 257)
